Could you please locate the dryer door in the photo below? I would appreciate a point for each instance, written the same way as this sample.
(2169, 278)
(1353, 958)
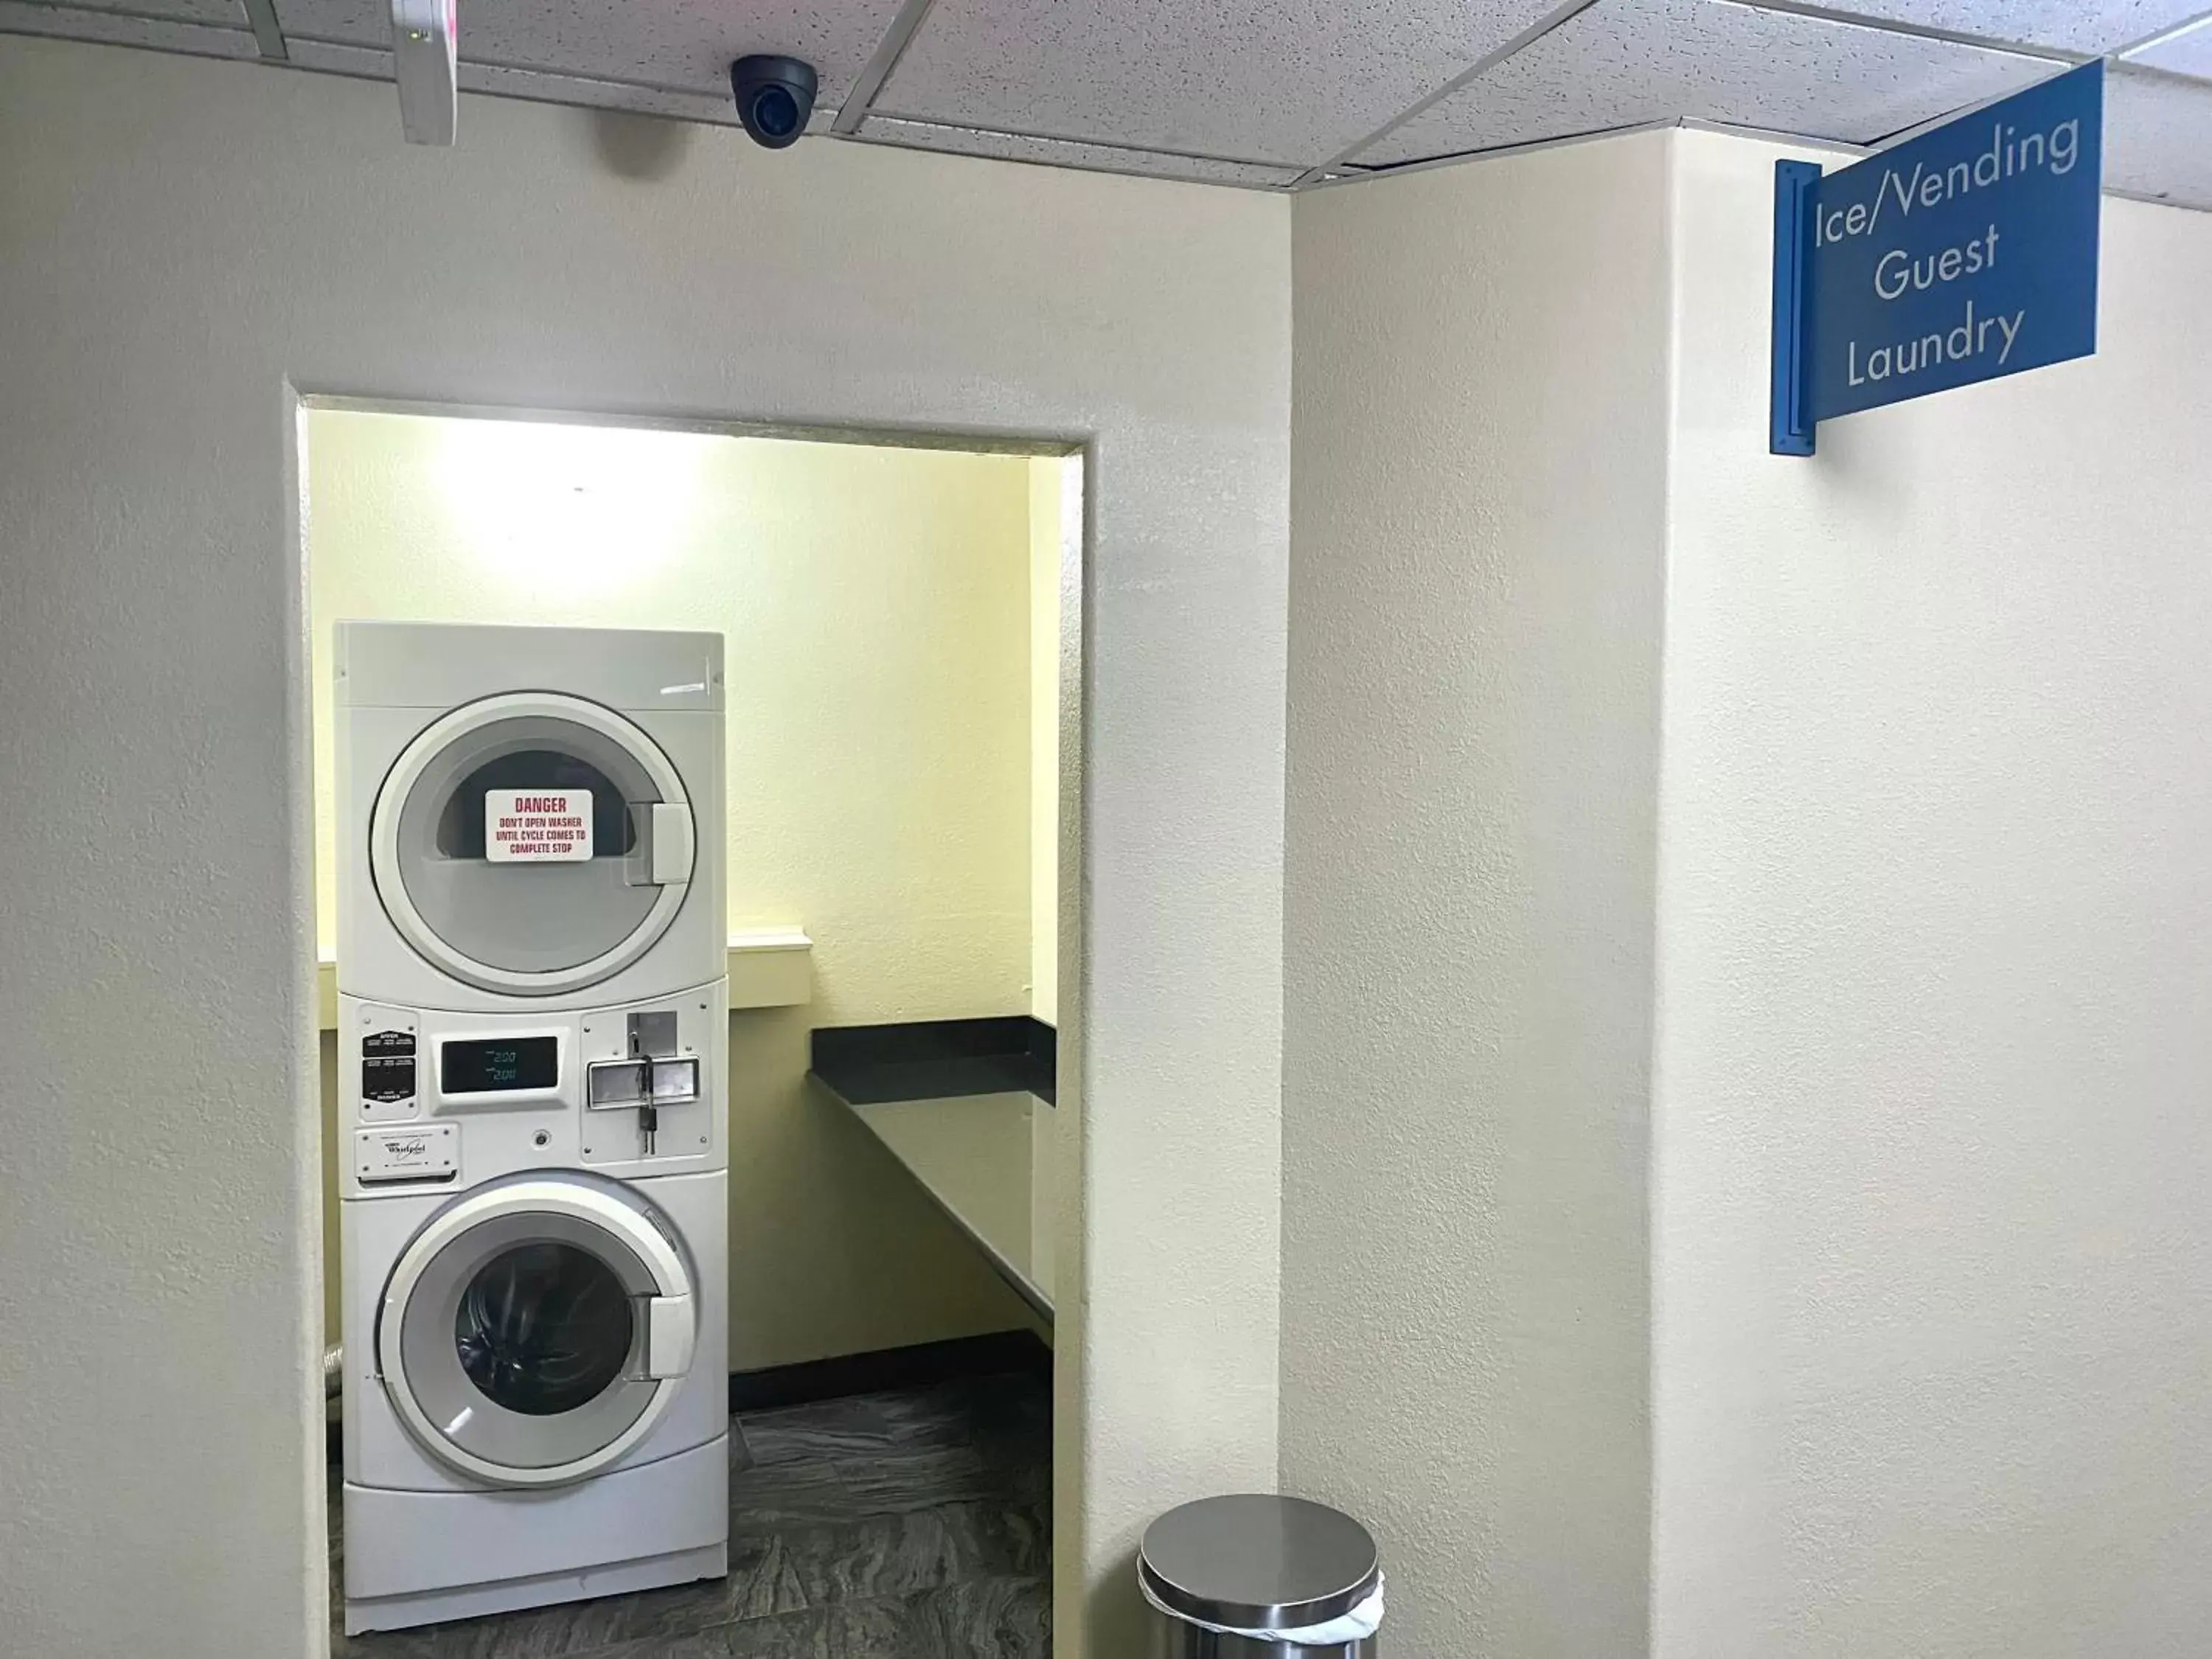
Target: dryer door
(534, 1332)
(532, 843)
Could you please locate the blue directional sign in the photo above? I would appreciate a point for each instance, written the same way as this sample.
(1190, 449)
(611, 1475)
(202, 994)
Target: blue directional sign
(1967, 253)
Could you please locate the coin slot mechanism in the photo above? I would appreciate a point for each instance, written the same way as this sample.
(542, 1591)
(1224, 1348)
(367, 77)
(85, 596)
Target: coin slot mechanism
(626, 1084)
(619, 1085)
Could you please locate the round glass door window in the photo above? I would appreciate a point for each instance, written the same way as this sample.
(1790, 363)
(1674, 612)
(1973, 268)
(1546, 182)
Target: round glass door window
(517, 1336)
(544, 1328)
(532, 843)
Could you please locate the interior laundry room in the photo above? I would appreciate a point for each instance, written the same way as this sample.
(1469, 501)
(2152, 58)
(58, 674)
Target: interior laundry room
(890, 627)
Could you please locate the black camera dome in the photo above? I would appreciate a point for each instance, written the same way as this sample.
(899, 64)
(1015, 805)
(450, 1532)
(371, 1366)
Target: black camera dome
(775, 97)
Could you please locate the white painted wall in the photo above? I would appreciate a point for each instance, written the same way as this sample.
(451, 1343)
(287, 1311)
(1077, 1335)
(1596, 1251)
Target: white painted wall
(1886, 890)
(1477, 518)
(184, 239)
(1933, 1215)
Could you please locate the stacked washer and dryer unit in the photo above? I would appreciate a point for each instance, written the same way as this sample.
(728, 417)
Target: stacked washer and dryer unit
(533, 1022)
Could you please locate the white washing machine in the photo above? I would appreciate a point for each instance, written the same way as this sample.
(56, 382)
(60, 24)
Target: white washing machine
(532, 1034)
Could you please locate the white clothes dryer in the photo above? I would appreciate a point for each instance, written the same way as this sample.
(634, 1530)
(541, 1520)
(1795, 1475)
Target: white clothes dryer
(528, 813)
(533, 1106)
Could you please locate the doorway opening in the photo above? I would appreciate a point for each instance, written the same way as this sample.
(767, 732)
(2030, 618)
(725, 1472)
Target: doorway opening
(899, 628)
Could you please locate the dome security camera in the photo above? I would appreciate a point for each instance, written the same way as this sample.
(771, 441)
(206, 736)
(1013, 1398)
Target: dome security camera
(775, 97)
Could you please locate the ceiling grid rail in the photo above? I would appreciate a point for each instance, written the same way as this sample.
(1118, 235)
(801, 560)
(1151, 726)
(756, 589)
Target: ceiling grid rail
(268, 35)
(1536, 31)
(862, 97)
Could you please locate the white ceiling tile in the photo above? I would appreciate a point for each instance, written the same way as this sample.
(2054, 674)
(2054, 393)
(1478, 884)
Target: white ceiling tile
(1292, 82)
(2189, 52)
(680, 45)
(353, 22)
(1626, 62)
(539, 87)
(366, 62)
(226, 37)
(1053, 152)
(2090, 26)
(223, 14)
(2158, 138)
(373, 63)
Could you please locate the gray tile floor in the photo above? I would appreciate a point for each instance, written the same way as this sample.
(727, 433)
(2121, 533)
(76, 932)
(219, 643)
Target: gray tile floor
(913, 1525)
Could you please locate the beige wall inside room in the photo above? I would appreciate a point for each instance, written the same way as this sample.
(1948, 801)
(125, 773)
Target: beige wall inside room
(1477, 525)
(875, 607)
(1932, 1253)
(185, 242)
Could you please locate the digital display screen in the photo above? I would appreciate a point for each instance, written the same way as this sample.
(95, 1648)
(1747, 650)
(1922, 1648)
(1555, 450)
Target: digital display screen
(476, 1068)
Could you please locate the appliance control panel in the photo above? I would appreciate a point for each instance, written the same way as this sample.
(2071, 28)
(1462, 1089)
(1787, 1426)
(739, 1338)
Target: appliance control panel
(649, 1072)
(430, 1094)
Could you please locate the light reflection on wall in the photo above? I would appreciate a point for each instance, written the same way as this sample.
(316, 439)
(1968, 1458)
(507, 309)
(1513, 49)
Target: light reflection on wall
(578, 509)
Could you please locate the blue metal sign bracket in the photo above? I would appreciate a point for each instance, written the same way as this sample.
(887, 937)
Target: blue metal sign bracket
(1789, 418)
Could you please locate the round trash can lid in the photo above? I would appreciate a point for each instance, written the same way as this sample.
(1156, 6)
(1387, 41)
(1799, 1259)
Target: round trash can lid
(1259, 1563)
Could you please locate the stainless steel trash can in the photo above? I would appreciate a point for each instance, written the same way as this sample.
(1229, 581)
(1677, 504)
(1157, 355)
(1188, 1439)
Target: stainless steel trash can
(1264, 1572)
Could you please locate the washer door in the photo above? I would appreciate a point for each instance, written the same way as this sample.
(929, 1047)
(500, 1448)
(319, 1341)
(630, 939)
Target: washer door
(532, 1332)
(451, 881)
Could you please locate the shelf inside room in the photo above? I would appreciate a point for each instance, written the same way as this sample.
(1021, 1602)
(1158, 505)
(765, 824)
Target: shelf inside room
(769, 968)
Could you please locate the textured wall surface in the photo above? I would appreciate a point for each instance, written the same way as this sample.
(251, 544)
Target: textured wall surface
(1477, 515)
(182, 238)
(1933, 1253)
(875, 607)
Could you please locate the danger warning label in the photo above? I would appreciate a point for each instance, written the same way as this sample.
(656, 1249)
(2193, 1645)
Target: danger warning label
(544, 826)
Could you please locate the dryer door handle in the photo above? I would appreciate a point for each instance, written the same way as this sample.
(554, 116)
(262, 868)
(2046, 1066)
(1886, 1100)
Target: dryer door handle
(670, 1336)
(671, 844)
(666, 856)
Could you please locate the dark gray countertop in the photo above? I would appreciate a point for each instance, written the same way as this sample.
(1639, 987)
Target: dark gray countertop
(927, 1060)
(966, 1107)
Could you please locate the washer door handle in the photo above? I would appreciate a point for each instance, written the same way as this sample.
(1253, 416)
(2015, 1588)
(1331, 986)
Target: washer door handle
(671, 1337)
